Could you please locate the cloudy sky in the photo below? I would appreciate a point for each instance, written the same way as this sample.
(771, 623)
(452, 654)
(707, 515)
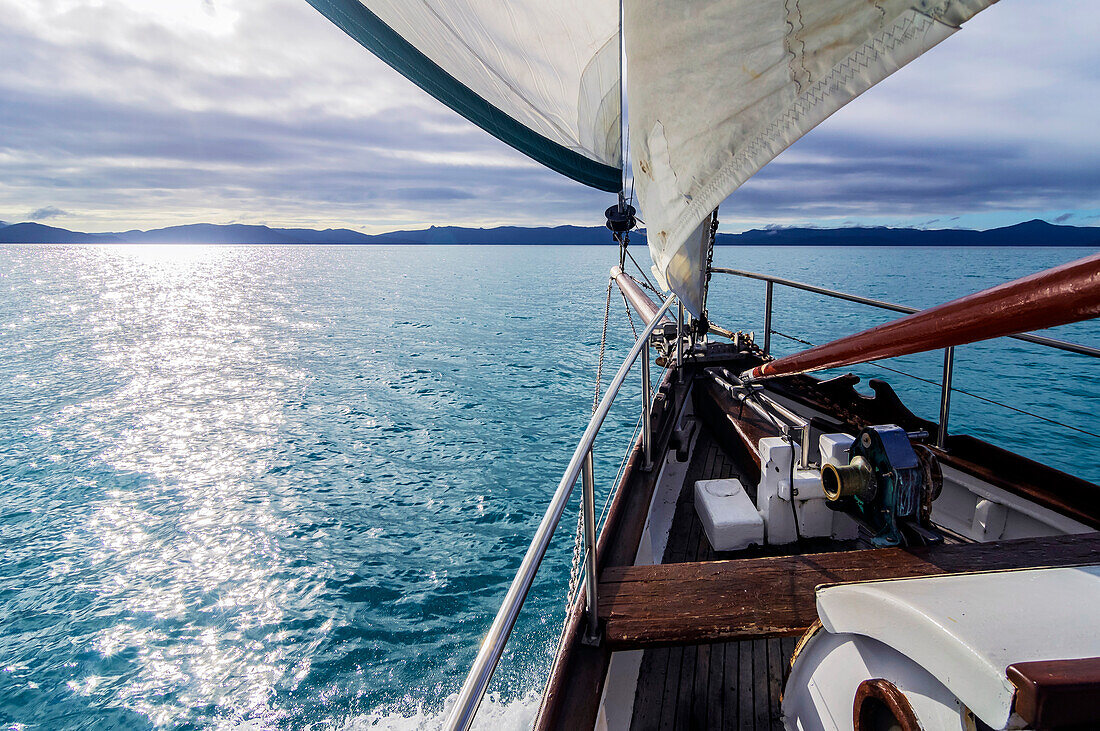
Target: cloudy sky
(119, 114)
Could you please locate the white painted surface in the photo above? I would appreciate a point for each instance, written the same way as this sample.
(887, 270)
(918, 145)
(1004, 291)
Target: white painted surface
(617, 702)
(662, 506)
(820, 692)
(779, 484)
(967, 629)
(958, 509)
(835, 449)
(773, 492)
(729, 518)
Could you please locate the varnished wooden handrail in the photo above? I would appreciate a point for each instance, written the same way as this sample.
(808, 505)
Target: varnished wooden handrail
(1058, 296)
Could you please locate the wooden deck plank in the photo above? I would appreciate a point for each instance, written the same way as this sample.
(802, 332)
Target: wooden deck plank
(775, 683)
(687, 666)
(716, 675)
(695, 716)
(729, 687)
(671, 690)
(745, 707)
(650, 689)
(761, 701)
(771, 597)
(687, 687)
(698, 713)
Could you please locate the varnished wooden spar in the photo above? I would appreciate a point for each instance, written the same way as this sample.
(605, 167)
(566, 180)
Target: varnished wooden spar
(638, 299)
(1058, 296)
(646, 606)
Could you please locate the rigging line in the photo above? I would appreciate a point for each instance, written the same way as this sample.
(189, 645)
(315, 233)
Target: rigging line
(603, 345)
(958, 390)
(616, 484)
(610, 494)
(642, 272)
(578, 537)
(644, 285)
(785, 433)
(628, 315)
(573, 592)
(622, 465)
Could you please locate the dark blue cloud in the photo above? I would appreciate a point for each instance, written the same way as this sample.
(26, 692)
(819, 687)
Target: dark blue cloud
(46, 212)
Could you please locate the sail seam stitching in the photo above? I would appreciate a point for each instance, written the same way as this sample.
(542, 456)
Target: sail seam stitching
(905, 29)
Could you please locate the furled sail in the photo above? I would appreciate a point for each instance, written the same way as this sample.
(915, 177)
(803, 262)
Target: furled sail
(718, 89)
(541, 75)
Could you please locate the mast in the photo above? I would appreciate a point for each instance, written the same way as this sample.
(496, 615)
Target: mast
(1058, 296)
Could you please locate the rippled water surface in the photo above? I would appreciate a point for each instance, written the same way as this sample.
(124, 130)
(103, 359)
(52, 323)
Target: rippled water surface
(286, 487)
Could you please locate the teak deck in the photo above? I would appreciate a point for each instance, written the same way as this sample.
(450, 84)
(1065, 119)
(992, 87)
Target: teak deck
(772, 597)
(730, 685)
(717, 630)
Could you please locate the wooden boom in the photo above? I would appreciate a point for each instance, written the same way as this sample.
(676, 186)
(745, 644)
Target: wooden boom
(638, 299)
(1058, 296)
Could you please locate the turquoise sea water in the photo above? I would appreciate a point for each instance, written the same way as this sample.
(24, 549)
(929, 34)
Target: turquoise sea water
(286, 487)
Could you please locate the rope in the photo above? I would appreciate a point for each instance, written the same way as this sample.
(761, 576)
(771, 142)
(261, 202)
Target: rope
(578, 536)
(616, 484)
(629, 316)
(957, 390)
(603, 346)
(648, 284)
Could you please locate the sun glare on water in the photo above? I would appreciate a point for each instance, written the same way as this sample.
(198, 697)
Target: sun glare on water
(190, 548)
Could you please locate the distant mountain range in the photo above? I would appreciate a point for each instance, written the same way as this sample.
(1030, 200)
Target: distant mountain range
(1031, 233)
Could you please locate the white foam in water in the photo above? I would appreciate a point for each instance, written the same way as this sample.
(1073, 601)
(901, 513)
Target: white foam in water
(491, 714)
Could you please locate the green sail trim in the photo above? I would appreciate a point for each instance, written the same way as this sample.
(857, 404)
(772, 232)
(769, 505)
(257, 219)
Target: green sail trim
(377, 37)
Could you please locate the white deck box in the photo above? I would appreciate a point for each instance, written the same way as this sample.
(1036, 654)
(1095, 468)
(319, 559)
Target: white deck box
(728, 516)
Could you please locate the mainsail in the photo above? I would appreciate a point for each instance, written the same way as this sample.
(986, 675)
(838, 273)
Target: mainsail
(716, 88)
(541, 76)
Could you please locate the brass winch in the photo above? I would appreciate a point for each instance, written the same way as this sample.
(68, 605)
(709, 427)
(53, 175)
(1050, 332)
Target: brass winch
(888, 487)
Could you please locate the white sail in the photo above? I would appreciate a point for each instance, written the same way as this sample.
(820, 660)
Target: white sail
(717, 89)
(541, 75)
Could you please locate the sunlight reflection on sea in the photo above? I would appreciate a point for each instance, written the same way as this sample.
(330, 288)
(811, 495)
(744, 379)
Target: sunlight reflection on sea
(286, 486)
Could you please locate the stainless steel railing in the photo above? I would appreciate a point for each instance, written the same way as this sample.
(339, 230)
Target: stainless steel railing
(1027, 338)
(948, 355)
(481, 672)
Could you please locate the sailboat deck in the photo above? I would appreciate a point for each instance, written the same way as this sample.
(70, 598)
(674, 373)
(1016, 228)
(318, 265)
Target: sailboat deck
(708, 657)
(721, 685)
(761, 602)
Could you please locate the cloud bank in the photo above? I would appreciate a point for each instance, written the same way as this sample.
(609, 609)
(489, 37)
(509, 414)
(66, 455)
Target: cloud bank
(126, 113)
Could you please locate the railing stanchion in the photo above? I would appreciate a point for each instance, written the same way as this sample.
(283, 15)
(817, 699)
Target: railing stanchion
(680, 337)
(647, 426)
(481, 671)
(768, 319)
(945, 396)
(1026, 337)
(588, 488)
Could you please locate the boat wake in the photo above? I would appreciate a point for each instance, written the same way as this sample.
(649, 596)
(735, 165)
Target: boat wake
(493, 713)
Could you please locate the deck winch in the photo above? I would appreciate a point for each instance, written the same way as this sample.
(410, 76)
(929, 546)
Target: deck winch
(887, 486)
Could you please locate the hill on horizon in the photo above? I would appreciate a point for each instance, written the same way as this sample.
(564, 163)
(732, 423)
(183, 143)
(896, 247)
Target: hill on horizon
(1029, 233)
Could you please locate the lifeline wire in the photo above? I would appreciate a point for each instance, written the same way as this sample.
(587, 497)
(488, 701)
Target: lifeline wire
(957, 390)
